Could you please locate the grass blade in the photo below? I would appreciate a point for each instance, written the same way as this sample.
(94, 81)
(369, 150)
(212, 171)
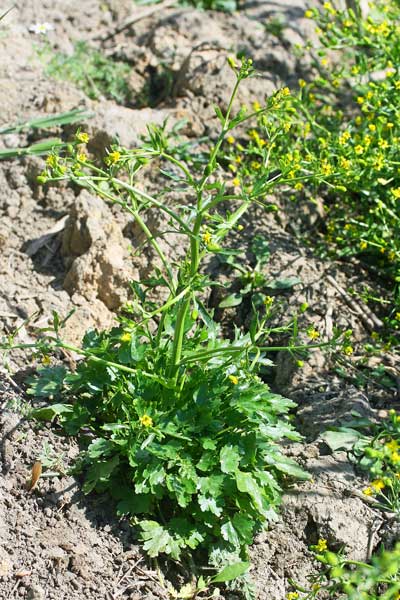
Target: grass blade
(37, 149)
(72, 116)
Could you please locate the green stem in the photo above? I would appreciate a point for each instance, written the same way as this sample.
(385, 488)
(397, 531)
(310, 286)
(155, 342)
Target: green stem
(194, 239)
(235, 349)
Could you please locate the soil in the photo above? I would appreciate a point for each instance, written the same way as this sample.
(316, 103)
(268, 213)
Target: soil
(63, 249)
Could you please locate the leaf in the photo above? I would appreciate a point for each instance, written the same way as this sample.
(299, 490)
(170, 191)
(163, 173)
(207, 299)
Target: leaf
(231, 301)
(99, 472)
(100, 447)
(231, 572)
(36, 473)
(343, 439)
(47, 382)
(48, 413)
(207, 503)
(244, 527)
(158, 540)
(219, 114)
(247, 484)
(229, 534)
(134, 504)
(229, 457)
(286, 465)
(284, 284)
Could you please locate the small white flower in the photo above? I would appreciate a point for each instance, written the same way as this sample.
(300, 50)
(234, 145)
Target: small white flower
(41, 28)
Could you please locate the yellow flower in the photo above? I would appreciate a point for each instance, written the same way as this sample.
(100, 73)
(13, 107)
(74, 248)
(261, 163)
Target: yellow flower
(230, 139)
(302, 83)
(82, 137)
(309, 14)
(113, 157)
(344, 163)
(378, 484)
(236, 181)
(344, 138)
(292, 596)
(313, 334)
(322, 545)
(82, 157)
(383, 144)
(298, 186)
(326, 168)
(146, 421)
(368, 491)
(207, 237)
(126, 337)
(52, 161)
(233, 379)
(396, 193)
(268, 300)
(324, 62)
(46, 360)
(256, 105)
(359, 149)
(348, 23)
(397, 316)
(358, 120)
(348, 350)
(372, 127)
(363, 245)
(360, 100)
(395, 457)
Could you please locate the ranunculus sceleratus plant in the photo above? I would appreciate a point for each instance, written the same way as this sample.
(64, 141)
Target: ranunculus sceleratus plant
(176, 422)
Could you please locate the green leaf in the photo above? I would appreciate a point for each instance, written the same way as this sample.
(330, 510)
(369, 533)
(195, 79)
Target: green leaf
(229, 534)
(229, 457)
(284, 284)
(231, 301)
(244, 527)
(207, 503)
(231, 572)
(100, 447)
(48, 413)
(157, 539)
(219, 114)
(343, 439)
(47, 382)
(286, 465)
(247, 484)
(208, 444)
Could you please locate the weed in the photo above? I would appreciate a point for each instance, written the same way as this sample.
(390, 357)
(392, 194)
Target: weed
(90, 71)
(378, 579)
(183, 432)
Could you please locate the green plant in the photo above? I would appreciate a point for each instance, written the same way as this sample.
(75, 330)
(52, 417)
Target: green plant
(44, 146)
(175, 420)
(379, 456)
(91, 71)
(222, 5)
(350, 579)
(338, 140)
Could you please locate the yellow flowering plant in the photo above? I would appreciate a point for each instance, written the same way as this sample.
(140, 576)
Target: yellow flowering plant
(340, 577)
(379, 455)
(184, 433)
(336, 138)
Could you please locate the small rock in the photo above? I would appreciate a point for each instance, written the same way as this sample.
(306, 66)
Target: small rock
(35, 592)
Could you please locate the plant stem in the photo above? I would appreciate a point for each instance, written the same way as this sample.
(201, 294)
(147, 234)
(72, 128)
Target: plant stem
(194, 239)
